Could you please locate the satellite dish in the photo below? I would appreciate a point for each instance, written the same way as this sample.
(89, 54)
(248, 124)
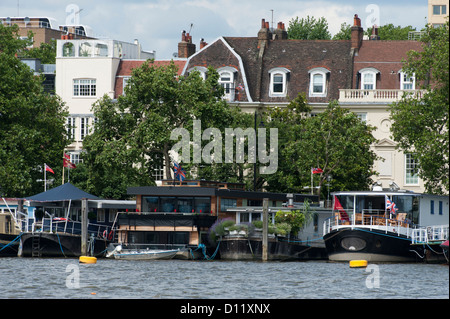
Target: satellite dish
(175, 54)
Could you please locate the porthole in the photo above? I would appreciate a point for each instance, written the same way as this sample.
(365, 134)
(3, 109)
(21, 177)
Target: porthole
(353, 243)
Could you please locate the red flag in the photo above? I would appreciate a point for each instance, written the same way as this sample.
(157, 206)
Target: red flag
(66, 162)
(316, 170)
(48, 169)
(337, 206)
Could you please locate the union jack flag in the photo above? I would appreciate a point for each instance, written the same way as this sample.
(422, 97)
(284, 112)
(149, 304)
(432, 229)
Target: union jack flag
(391, 205)
(179, 172)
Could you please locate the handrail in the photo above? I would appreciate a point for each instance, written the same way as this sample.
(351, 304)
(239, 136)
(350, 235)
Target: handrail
(427, 234)
(60, 226)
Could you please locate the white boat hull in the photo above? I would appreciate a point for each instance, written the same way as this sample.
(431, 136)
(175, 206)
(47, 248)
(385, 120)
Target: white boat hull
(146, 255)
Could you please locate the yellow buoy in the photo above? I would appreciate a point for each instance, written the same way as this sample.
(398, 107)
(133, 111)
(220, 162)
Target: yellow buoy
(358, 263)
(87, 260)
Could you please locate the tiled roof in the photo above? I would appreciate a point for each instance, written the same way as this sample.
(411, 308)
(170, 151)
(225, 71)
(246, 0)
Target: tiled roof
(126, 68)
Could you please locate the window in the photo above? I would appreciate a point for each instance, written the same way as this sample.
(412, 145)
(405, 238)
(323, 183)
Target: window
(71, 128)
(362, 116)
(227, 203)
(75, 157)
(84, 87)
(318, 82)
(411, 169)
(278, 82)
(407, 82)
(369, 78)
(84, 127)
(439, 9)
(368, 81)
(125, 80)
(201, 69)
(68, 49)
(226, 80)
(440, 207)
(432, 207)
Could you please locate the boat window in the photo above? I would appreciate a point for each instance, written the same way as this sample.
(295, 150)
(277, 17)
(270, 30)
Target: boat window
(168, 204)
(150, 204)
(370, 204)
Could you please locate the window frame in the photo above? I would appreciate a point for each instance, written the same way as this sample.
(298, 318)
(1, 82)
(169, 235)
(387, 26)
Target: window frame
(229, 87)
(284, 81)
(85, 85)
(411, 163)
(324, 73)
(403, 81)
(368, 71)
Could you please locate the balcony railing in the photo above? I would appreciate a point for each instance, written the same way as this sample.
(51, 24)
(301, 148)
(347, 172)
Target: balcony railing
(376, 96)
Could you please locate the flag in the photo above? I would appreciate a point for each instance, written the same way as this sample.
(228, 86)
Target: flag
(179, 172)
(48, 169)
(240, 87)
(67, 162)
(391, 205)
(342, 213)
(316, 170)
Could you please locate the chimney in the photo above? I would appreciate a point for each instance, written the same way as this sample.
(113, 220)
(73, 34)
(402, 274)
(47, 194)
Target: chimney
(357, 33)
(280, 32)
(374, 35)
(203, 43)
(264, 34)
(185, 47)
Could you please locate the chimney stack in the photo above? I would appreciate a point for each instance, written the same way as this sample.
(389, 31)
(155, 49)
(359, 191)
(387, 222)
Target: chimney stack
(357, 33)
(280, 32)
(185, 47)
(374, 35)
(203, 43)
(264, 34)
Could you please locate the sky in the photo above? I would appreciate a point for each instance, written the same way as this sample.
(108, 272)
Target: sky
(158, 24)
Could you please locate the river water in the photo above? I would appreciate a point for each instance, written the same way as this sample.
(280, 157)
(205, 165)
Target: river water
(48, 278)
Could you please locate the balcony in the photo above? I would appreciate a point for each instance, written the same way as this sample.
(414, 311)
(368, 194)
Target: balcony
(376, 96)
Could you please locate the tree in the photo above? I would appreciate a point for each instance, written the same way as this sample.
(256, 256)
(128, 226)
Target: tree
(391, 32)
(345, 33)
(32, 123)
(133, 134)
(308, 29)
(336, 141)
(421, 124)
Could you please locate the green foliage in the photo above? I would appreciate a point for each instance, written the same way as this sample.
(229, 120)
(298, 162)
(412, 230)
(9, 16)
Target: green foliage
(421, 125)
(32, 123)
(308, 29)
(345, 33)
(294, 218)
(390, 32)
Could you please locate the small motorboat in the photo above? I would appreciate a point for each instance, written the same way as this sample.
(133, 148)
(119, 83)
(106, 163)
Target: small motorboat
(141, 254)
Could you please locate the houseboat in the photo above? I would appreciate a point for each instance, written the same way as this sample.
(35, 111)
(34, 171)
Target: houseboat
(384, 225)
(180, 214)
(53, 227)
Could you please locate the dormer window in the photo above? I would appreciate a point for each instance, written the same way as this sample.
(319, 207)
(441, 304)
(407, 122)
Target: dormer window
(201, 69)
(278, 82)
(369, 78)
(407, 82)
(318, 82)
(226, 80)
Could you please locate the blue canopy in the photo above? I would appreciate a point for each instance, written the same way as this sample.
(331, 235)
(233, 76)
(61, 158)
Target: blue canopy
(61, 193)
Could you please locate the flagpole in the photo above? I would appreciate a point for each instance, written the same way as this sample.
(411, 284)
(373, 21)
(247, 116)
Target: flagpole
(45, 178)
(64, 153)
(312, 183)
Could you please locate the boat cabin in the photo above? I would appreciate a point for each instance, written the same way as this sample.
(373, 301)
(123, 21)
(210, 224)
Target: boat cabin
(181, 213)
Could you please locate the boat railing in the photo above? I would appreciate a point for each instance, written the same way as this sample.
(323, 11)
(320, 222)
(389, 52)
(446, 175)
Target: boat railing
(373, 219)
(61, 225)
(429, 234)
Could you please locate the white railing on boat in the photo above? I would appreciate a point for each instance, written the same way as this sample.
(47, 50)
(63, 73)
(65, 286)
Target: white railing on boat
(430, 234)
(370, 220)
(62, 226)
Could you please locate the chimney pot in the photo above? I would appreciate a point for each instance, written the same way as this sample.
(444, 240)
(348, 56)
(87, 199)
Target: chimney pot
(263, 23)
